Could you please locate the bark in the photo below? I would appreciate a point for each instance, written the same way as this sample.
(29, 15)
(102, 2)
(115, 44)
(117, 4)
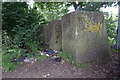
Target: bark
(118, 36)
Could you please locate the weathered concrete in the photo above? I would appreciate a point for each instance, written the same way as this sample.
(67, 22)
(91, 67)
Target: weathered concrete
(46, 33)
(84, 36)
(56, 35)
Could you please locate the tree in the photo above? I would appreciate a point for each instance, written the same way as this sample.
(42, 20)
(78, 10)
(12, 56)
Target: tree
(51, 10)
(22, 27)
(91, 6)
(118, 35)
(23, 24)
(13, 14)
(111, 28)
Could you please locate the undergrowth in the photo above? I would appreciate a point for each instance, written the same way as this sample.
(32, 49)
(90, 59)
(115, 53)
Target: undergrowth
(41, 57)
(115, 51)
(7, 64)
(72, 61)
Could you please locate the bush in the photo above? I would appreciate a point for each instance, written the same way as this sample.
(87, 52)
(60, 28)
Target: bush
(111, 28)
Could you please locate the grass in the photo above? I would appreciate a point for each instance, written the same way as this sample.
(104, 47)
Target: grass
(115, 51)
(0, 59)
(42, 57)
(7, 64)
(63, 55)
(83, 65)
(78, 64)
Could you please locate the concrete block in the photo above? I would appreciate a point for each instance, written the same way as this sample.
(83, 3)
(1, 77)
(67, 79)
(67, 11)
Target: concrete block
(55, 35)
(84, 35)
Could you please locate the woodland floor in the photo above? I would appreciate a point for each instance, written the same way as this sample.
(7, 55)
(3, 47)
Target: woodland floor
(107, 68)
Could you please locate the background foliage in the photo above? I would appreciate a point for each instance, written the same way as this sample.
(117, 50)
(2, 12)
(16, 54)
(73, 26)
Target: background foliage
(22, 28)
(111, 28)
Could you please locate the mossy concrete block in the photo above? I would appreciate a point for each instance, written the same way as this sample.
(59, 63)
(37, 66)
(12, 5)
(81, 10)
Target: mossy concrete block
(55, 35)
(46, 33)
(84, 35)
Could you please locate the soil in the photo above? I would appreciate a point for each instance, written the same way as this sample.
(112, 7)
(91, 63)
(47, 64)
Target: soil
(107, 68)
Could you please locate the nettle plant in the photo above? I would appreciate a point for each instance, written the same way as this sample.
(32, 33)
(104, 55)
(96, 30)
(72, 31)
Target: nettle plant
(27, 38)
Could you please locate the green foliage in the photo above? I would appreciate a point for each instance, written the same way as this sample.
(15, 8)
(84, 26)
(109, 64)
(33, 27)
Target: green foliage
(6, 62)
(21, 31)
(51, 10)
(78, 64)
(84, 65)
(66, 56)
(115, 51)
(63, 55)
(22, 27)
(73, 61)
(111, 29)
(13, 14)
(90, 6)
(42, 57)
(70, 56)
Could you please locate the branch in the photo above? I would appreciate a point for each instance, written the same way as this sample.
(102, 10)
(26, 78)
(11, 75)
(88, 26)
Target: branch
(111, 21)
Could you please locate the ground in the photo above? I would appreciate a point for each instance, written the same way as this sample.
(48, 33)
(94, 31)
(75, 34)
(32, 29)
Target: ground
(107, 68)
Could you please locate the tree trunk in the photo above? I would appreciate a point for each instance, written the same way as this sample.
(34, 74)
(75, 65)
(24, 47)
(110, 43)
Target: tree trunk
(75, 5)
(118, 35)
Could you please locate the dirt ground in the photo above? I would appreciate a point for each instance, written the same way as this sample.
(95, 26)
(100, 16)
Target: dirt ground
(107, 68)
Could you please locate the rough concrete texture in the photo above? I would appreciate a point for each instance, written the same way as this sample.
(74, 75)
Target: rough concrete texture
(46, 33)
(55, 34)
(84, 36)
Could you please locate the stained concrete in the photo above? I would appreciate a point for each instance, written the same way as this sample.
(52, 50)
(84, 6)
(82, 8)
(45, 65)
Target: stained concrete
(46, 33)
(84, 35)
(55, 35)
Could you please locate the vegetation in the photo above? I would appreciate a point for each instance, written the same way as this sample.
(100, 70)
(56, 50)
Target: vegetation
(22, 28)
(7, 62)
(115, 51)
(69, 57)
(41, 57)
(111, 28)
(63, 55)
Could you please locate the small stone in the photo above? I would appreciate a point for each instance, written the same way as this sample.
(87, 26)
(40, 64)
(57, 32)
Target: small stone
(44, 76)
(103, 69)
(62, 61)
(26, 60)
(79, 74)
(48, 74)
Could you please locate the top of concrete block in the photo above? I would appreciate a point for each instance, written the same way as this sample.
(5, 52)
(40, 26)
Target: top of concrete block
(85, 12)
